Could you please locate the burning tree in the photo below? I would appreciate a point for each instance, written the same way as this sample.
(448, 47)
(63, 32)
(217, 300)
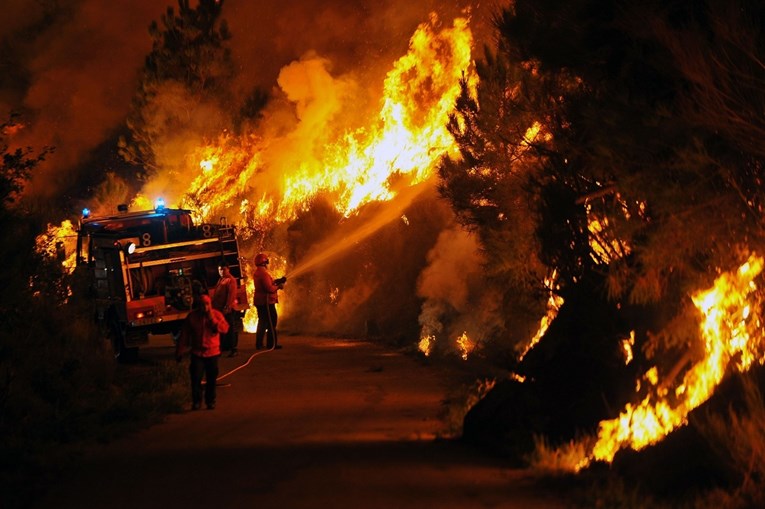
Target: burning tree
(593, 149)
(184, 86)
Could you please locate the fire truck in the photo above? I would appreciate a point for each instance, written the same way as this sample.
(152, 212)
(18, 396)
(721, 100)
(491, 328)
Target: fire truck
(143, 270)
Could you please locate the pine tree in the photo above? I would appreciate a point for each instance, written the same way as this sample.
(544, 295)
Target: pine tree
(16, 165)
(188, 69)
(665, 153)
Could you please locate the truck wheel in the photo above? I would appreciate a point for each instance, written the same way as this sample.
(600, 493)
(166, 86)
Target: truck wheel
(121, 352)
(128, 354)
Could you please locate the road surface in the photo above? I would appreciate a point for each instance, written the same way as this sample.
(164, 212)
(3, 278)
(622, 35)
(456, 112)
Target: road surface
(321, 423)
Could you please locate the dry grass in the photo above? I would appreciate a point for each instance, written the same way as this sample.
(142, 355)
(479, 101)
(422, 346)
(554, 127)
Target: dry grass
(60, 389)
(460, 403)
(562, 459)
(738, 436)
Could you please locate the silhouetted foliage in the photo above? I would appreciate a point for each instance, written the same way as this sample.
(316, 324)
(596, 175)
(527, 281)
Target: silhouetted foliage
(17, 165)
(15, 170)
(619, 142)
(59, 385)
(252, 109)
(612, 87)
(188, 70)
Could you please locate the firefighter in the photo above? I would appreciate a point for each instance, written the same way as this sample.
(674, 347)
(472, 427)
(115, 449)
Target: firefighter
(224, 299)
(265, 300)
(200, 334)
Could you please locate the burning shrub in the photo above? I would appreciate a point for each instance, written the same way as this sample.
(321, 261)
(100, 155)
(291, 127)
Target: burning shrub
(574, 377)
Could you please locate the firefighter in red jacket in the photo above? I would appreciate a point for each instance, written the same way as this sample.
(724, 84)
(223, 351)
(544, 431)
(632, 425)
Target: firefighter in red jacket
(200, 335)
(224, 300)
(265, 300)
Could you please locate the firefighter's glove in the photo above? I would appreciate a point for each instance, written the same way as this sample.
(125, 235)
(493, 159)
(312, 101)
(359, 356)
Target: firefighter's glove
(280, 281)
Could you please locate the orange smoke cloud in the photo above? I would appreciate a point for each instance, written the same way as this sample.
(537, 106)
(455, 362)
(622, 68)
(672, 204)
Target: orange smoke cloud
(75, 68)
(457, 303)
(71, 68)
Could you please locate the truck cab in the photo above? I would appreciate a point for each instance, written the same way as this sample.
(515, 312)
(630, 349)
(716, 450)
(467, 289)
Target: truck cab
(144, 270)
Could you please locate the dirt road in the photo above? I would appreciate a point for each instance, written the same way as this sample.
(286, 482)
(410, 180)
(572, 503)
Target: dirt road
(321, 423)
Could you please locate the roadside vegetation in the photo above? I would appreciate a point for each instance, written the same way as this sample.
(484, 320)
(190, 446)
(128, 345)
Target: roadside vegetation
(725, 472)
(60, 388)
(617, 147)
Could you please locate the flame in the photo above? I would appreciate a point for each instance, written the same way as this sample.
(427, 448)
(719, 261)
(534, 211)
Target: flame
(554, 302)
(250, 318)
(400, 147)
(627, 345)
(606, 248)
(732, 339)
(466, 345)
(57, 241)
(141, 202)
(426, 344)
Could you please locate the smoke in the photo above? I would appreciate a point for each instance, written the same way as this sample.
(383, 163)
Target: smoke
(72, 67)
(456, 298)
(71, 70)
(316, 94)
(192, 119)
(303, 118)
(453, 262)
(369, 284)
(363, 37)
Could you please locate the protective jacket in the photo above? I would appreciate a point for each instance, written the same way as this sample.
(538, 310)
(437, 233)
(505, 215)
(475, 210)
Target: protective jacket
(224, 293)
(265, 289)
(200, 334)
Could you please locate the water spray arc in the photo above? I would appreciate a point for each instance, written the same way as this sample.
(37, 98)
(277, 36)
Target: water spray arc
(340, 242)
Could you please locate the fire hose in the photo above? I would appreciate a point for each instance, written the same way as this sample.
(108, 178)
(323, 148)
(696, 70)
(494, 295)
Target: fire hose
(271, 330)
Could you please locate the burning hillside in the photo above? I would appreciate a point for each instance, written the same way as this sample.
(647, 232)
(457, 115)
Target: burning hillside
(327, 171)
(265, 180)
(335, 179)
(262, 177)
